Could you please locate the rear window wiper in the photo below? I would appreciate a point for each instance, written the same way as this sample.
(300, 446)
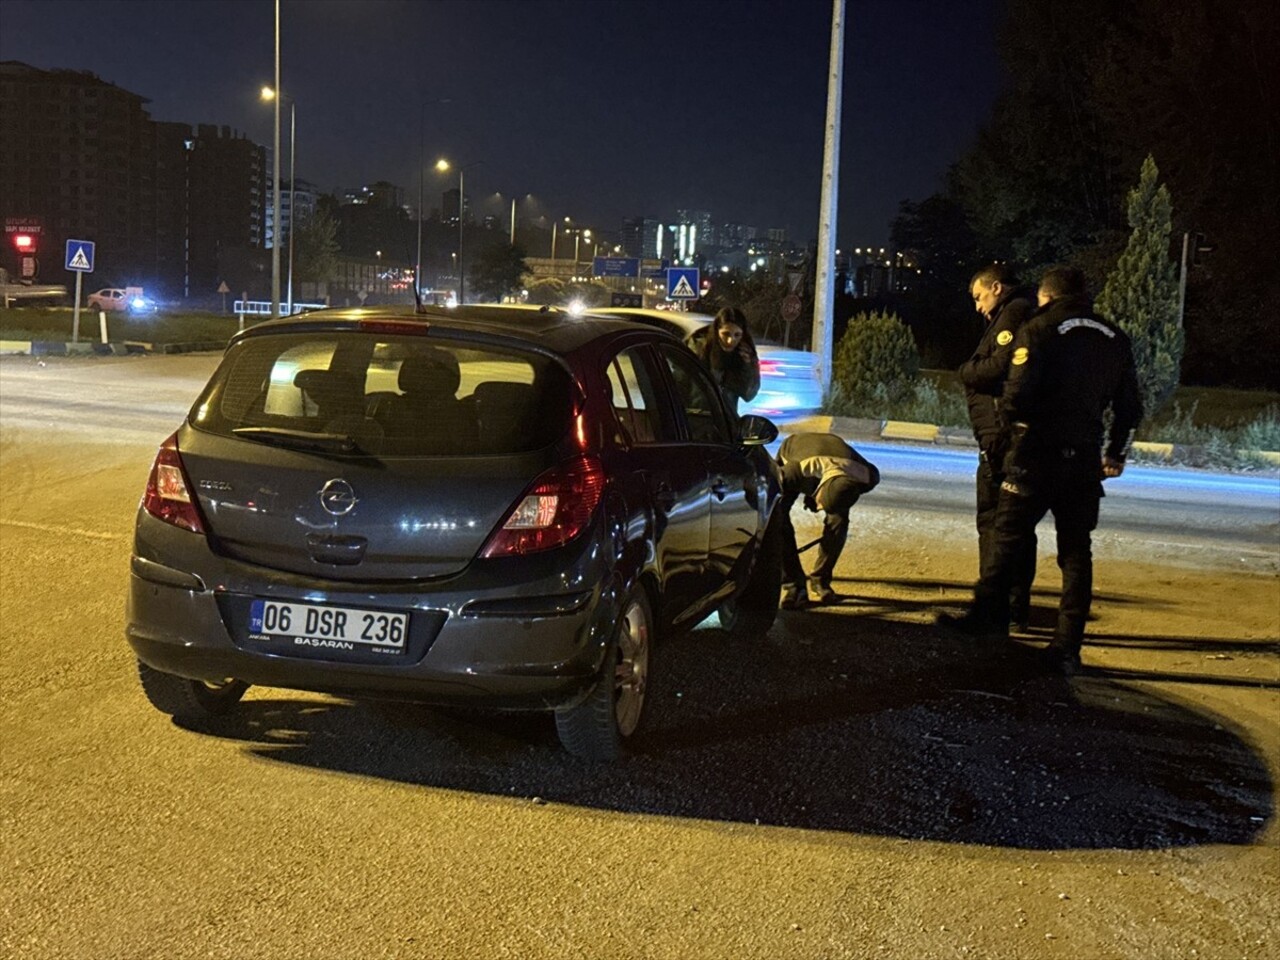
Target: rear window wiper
(301, 439)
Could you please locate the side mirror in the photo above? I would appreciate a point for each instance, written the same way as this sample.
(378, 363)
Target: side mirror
(754, 431)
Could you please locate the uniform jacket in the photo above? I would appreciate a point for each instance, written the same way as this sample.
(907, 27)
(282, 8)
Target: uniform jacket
(809, 459)
(983, 374)
(1069, 366)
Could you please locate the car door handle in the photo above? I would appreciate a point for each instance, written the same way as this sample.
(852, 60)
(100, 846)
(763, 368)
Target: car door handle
(720, 488)
(664, 496)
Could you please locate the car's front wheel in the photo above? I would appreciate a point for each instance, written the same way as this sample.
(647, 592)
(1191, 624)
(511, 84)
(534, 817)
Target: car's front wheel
(596, 728)
(191, 699)
(750, 614)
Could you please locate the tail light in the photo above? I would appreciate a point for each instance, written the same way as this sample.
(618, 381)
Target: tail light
(770, 367)
(554, 509)
(168, 495)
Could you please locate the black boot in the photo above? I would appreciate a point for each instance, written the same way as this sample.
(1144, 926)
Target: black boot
(1063, 653)
(1019, 614)
(975, 624)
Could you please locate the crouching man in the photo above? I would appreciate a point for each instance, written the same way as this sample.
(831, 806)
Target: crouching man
(830, 475)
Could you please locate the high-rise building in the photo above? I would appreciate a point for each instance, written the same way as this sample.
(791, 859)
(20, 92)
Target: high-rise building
(695, 232)
(227, 192)
(639, 236)
(449, 205)
(305, 196)
(380, 194)
(735, 234)
(76, 157)
(83, 158)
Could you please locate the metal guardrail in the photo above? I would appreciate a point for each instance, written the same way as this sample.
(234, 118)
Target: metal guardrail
(262, 308)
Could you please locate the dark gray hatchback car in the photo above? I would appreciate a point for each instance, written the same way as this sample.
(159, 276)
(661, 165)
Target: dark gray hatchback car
(488, 507)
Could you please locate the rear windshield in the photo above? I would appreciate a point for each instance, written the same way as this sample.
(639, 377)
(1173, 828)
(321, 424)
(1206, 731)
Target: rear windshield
(387, 396)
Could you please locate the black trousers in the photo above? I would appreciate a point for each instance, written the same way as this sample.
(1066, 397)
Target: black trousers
(1068, 484)
(835, 530)
(987, 484)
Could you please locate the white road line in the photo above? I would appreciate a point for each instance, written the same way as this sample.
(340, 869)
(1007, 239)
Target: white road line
(71, 531)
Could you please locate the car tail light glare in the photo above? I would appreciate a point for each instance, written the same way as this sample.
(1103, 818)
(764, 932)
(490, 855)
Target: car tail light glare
(770, 367)
(555, 509)
(168, 495)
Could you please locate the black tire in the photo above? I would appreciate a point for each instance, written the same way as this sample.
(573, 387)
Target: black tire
(750, 615)
(597, 727)
(189, 699)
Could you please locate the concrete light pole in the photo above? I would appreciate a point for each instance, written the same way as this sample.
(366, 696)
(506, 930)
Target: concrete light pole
(824, 287)
(275, 183)
(271, 94)
(422, 159)
(444, 165)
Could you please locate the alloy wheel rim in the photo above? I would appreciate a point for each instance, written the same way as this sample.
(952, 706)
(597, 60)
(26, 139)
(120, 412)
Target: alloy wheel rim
(632, 673)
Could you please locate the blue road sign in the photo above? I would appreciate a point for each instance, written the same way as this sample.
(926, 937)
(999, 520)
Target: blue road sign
(80, 255)
(617, 266)
(682, 283)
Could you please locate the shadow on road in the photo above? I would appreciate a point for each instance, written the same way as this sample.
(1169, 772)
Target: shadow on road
(840, 721)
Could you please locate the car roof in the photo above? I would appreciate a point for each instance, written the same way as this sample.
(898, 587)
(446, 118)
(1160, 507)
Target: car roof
(550, 328)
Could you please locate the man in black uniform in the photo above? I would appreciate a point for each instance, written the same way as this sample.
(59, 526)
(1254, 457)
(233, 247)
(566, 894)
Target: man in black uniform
(1069, 366)
(831, 476)
(1006, 306)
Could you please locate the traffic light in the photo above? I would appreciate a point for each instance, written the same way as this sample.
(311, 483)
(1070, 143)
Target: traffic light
(24, 243)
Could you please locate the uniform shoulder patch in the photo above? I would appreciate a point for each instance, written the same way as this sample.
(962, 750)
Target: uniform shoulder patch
(1019, 356)
(1004, 337)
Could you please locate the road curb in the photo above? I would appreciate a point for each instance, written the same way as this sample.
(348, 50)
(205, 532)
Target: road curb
(65, 348)
(904, 431)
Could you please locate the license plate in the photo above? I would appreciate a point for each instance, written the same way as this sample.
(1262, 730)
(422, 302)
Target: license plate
(324, 627)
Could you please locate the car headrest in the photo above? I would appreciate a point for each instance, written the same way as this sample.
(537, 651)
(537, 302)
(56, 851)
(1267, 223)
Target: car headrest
(330, 388)
(432, 372)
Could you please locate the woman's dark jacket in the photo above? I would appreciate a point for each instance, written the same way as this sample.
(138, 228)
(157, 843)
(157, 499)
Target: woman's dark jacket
(736, 378)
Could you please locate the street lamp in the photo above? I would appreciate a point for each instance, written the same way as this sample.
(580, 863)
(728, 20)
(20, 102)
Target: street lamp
(270, 94)
(443, 165)
(555, 227)
(577, 236)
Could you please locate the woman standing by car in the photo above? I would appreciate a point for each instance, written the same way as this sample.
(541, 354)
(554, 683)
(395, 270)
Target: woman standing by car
(730, 354)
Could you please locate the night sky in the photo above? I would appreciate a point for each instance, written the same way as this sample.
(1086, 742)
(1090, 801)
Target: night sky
(599, 110)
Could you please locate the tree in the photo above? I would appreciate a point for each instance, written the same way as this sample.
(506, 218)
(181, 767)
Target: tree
(498, 271)
(548, 291)
(876, 360)
(1188, 82)
(1141, 294)
(316, 247)
(757, 294)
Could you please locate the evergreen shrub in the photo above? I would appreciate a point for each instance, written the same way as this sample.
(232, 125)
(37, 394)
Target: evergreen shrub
(876, 362)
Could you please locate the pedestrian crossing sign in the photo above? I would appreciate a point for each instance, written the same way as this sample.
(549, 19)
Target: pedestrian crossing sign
(80, 255)
(682, 283)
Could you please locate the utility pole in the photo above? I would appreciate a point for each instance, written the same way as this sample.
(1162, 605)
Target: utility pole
(275, 183)
(824, 284)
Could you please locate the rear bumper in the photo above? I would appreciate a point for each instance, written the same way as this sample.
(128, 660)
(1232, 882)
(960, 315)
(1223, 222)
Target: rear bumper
(501, 661)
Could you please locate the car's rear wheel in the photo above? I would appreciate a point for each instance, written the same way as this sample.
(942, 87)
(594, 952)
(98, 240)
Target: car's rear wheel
(750, 614)
(596, 728)
(180, 697)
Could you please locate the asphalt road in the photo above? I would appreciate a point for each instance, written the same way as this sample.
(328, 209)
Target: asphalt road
(856, 785)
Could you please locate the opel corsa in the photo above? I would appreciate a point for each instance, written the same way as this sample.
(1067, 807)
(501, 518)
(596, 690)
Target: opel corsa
(489, 507)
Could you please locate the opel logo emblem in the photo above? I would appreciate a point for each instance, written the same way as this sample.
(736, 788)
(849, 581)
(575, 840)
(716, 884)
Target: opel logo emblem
(337, 497)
